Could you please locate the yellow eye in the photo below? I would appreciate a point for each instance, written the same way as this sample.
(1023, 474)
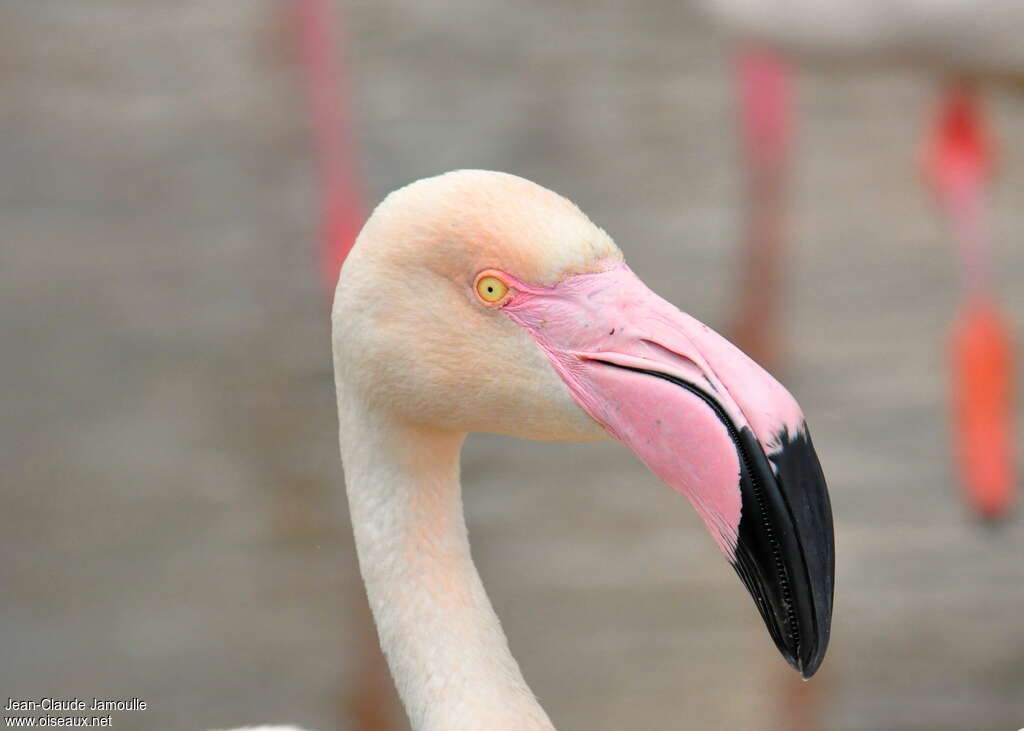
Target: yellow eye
(491, 289)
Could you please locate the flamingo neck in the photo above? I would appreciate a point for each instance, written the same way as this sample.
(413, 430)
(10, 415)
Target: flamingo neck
(443, 642)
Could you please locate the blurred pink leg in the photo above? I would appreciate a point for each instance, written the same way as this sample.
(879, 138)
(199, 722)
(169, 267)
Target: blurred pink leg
(764, 105)
(803, 702)
(341, 200)
(372, 703)
(959, 167)
(765, 126)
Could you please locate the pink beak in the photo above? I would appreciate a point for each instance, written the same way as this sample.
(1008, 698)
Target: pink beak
(711, 424)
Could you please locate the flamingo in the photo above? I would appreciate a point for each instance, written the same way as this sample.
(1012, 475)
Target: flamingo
(966, 42)
(478, 301)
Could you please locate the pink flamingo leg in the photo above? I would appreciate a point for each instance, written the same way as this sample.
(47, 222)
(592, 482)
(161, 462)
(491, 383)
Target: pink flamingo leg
(764, 97)
(766, 129)
(981, 344)
(371, 705)
(342, 208)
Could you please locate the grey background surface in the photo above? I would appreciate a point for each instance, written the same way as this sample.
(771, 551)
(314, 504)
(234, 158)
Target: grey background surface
(173, 524)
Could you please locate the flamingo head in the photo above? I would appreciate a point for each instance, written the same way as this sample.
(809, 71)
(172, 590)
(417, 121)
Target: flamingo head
(478, 301)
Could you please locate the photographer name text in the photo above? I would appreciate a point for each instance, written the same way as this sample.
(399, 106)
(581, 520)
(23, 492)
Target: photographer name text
(75, 704)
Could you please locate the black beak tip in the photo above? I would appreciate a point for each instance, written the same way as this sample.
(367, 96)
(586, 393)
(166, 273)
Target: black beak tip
(808, 663)
(808, 670)
(802, 644)
(785, 554)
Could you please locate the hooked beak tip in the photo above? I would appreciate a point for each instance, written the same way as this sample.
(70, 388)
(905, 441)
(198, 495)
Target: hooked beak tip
(785, 552)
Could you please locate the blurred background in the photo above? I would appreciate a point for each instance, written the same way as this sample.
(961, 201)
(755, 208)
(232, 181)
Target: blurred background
(173, 524)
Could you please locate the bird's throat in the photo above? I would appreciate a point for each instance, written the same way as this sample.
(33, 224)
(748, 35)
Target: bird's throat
(443, 642)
